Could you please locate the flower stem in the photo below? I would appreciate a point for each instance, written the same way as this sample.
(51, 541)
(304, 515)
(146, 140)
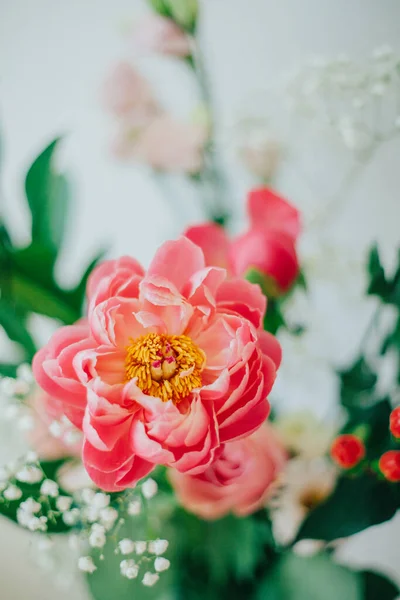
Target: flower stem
(212, 176)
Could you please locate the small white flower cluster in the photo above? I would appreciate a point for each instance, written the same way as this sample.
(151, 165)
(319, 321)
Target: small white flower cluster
(35, 510)
(89, 510)
(12, 391)
(130, 568)
(358, 100)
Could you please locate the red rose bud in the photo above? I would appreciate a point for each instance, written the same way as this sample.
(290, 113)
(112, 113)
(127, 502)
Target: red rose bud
(395, 422)
(347, 450)
(389, 464)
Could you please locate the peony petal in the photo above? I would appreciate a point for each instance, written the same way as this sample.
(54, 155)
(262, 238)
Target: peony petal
(177, 261)
(214, 242)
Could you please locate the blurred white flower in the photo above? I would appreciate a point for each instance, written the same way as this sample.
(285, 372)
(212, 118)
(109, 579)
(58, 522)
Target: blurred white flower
(303, 434)
(258, 149)
(86, 564)
(303, 485)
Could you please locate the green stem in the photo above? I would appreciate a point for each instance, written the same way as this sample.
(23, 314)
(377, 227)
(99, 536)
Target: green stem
(213, 175)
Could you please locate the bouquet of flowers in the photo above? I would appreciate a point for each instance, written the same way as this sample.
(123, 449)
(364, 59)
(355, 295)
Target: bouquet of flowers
(154, 438)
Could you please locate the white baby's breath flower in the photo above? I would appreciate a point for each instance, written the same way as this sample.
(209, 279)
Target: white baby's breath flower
(86, 564)
(37, 523)
(64, 503)
(71, 517)
(55, 429)
(30, 505)
(24, 372)
(149, 488)
(134, 507)
(158, 546)
(49, 488)
(29, 474)
(26, 423)
(97, 537)
(108, 516)
(23, 517)
(161, 564)
(100, 500)
(12, 493)
(126, 546)
(140, 547)
(32, 457)
(149, 579)
(129, 569)
(87, 495)
(21, 388)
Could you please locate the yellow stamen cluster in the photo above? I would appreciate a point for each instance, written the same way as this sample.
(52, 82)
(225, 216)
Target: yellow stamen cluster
(166, 366)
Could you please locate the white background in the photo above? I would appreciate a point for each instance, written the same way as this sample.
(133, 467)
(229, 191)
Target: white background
(53, 59)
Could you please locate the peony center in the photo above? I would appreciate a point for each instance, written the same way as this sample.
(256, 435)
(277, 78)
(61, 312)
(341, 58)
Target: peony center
(166, 366)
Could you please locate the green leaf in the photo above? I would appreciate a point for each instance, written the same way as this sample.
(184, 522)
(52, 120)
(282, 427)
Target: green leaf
(78, 294)
(377, 586)
(183, 12)
(8, 369)
(274, 318)
(302, 281)
(33, 286)
(388, 290)
(309, 578)
(356, 504)
(357, 384)
(48, 195)
(14, 326)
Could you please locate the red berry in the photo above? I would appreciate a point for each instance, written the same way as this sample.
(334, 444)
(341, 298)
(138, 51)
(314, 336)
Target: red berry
(395, 422)
(347, 450)
(389, 464)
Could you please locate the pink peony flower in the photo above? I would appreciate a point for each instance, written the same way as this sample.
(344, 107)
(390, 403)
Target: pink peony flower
(239, 481)
(171, 364)
(155, 33)
(127, 95)
(268, 245)
(170, 145)
(65, 440)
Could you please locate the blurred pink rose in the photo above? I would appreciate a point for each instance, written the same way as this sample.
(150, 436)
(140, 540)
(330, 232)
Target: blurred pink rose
(170, 145)
(171, 364)
(239, 481)
(128, 95)
(155, 33)
(58, 442)
(269, 245)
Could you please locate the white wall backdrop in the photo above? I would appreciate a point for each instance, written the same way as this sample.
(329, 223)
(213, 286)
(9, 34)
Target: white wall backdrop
(53, 59)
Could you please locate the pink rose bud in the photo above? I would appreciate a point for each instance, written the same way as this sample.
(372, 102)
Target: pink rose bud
(239, 481)
(269, 245)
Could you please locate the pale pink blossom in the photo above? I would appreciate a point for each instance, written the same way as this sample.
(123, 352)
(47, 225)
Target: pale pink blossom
(171, 145)
(127, 95)
(154, 33)
(172, 363)
(239, 480)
